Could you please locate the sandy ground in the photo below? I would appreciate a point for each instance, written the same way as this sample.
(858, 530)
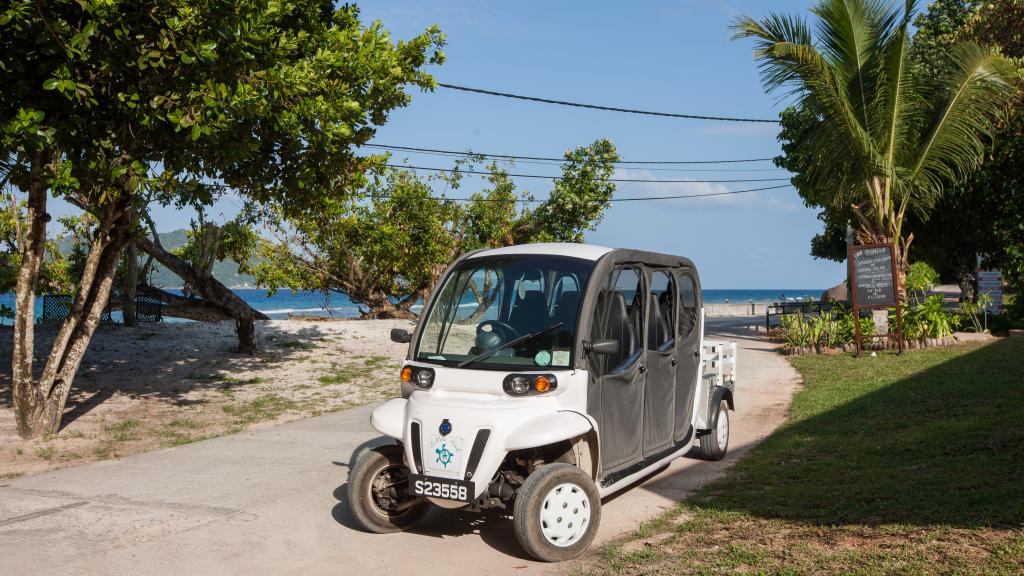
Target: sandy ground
(164, 385)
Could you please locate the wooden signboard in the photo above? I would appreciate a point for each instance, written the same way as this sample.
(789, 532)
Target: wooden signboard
(875, 284)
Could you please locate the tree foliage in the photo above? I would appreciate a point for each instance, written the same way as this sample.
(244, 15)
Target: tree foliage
(987, 213)
(387, 247)
(984, 215)
(384, 243)
(878, 135)
(104, 100)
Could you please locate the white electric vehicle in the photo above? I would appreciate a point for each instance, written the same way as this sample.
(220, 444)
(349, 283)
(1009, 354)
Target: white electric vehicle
(540, 379)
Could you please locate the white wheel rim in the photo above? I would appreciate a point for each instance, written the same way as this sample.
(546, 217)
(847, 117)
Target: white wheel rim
(723, 429)
(565, 515)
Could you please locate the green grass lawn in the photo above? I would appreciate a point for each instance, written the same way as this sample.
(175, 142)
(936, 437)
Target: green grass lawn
(887, 465)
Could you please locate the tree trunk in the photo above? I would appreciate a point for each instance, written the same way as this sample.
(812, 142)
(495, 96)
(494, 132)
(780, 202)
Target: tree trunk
(28, 401)
(41, 403)
(131, 282)
(385, 310)
(211, 290)
(246, 330)
(189, 308)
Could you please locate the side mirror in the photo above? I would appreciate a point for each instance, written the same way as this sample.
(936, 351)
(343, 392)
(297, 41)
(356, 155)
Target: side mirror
(605, 347)
(401, 335)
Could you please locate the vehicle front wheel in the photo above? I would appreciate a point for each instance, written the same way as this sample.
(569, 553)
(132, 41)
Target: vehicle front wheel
(714, 444)
(378, 492)
(557, 512)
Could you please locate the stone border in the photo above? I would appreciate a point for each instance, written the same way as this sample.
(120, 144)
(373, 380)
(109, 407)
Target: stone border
(851, 347)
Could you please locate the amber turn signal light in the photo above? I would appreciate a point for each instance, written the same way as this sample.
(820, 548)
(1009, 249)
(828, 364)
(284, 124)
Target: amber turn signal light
(406, 374)
(542, 384)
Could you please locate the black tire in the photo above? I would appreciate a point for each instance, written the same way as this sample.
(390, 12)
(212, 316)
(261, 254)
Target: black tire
(378, 492)
(712, 446)
(573, 486)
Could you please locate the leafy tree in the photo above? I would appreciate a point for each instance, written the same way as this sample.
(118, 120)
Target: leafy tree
(388, 246)
(106, 101)
(988, 211)
(983, 216)
(877, 134)
(56, 272)
(580, 196)
(380, 249)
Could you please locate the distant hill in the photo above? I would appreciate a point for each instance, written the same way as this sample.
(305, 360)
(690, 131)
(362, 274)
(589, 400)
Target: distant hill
(226, 271)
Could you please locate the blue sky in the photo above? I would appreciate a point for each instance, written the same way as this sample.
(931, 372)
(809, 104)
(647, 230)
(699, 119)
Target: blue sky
(665, 56)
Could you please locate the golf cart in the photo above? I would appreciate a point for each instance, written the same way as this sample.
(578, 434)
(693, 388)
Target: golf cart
(540, 379)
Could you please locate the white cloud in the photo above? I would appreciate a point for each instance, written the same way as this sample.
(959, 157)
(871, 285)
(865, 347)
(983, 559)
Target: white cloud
(767, 200)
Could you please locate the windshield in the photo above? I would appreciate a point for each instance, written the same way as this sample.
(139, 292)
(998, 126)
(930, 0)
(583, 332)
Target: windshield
(506, 312)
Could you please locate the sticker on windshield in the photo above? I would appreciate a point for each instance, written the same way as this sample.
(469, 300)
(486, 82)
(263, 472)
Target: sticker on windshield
(543, 358)
(560, 358)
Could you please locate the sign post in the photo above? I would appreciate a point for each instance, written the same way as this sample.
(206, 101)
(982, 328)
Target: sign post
(874, 284)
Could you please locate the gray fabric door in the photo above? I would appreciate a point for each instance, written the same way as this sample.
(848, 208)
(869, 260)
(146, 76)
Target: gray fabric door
(688, 349)
(660, 386)
(616, 399)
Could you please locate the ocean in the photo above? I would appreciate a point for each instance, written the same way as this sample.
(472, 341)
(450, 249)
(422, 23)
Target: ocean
(284, 302)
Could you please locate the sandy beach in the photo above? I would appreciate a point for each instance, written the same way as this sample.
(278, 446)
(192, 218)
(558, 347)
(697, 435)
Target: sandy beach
(163, 385)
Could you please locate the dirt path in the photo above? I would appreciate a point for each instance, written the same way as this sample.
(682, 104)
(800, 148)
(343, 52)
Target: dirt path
(272, 501)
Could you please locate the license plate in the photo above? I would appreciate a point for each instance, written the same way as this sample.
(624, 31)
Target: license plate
(459, 490)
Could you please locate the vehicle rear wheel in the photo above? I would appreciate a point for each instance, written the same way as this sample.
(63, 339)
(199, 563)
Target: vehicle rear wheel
(714, 444)
(378, 492)
(557, 512)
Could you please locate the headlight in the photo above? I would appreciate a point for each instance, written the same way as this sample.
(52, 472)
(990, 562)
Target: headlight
(425, 377)
(529, 384)
(519, 385)
(421, 377)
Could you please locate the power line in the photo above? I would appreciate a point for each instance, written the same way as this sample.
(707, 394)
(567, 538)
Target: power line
(682, 196)
(636, 199)
(561, 163)
(652, 181)
(535, 201)
(559, 160)
(608, 108)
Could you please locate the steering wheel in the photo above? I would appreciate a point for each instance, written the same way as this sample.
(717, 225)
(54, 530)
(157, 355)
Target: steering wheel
(498, 334)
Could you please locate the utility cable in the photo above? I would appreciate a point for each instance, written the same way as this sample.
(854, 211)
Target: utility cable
(635, 199)
(607, 108)
(560, 160)
(645, 180)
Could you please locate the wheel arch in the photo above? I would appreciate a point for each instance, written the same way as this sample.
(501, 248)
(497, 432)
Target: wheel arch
(564, 435)
(721, 393)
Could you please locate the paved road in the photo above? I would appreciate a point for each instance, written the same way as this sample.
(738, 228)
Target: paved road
(273, 501)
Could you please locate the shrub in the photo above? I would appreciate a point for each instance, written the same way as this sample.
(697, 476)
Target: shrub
(795, 330)
(920, 279)
(977, 312)
(927, 319)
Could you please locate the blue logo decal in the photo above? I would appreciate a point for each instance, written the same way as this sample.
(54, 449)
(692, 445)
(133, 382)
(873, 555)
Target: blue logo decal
(444, 455)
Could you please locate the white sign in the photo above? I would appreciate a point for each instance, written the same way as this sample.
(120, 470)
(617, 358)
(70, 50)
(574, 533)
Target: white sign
(991, 282)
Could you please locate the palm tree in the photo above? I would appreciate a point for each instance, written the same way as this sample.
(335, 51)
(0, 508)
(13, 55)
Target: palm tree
(886, 138)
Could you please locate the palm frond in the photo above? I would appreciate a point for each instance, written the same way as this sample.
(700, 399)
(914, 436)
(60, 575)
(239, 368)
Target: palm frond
(851, 34)
(980, 88)
(775, 30)
(788, 60)
(899, 103)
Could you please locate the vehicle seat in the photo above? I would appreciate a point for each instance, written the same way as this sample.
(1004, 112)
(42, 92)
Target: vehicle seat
(565, 310)
(620, 327)
(529, 314)
(658, 329)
